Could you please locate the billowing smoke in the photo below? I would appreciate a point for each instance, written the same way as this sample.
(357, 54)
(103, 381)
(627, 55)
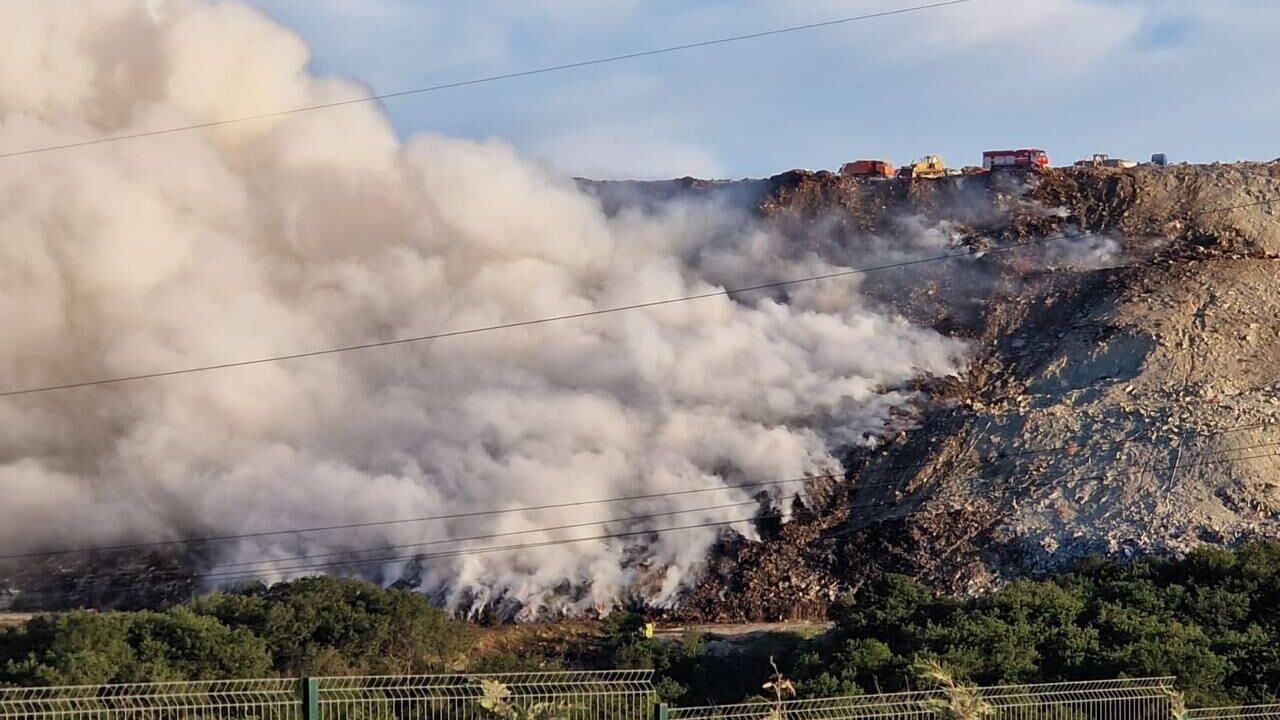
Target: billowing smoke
(1083, 252)
(322, 229)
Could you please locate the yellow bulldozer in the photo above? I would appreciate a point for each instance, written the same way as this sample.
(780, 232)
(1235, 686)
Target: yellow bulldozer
(929, 166)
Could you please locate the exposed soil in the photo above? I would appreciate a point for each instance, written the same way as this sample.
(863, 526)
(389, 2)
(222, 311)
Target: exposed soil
(1121, 401)
(1121, 409)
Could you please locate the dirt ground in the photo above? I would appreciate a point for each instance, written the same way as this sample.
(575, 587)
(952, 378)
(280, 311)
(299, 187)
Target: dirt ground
(1122, 397)
(1125, 408)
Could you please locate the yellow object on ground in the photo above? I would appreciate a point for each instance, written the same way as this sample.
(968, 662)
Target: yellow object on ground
(929, 166)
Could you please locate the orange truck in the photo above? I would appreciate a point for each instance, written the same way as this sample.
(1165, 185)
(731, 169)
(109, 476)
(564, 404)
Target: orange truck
(867, 168)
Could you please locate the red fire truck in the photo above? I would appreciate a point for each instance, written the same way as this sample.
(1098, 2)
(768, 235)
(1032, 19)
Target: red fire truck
(1024, 158)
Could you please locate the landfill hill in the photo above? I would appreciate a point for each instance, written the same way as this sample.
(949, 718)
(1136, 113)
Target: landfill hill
(1123, 395)
(1124, 408)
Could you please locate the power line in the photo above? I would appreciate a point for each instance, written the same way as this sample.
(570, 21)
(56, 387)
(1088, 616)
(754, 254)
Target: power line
(125, 579)
(493, 536)
(179, 574)
(308, 564)
(727, 292)
(490, 536)
(594, 501)
(502, 326)
(404, 521)
(855, 506)
(652, 531)
(347, 526)
(443, 541)
(483, 80)
(521, 546)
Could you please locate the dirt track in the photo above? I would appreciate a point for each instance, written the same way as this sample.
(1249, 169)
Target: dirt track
(729, 630)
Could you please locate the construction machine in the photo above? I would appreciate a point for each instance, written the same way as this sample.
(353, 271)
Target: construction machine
(929, 166)
(1099, 159)
(1104, 160)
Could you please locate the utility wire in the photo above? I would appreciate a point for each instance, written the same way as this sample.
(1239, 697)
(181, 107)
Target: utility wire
(403, 521)
(125, 579)
(841, 475)
(506, 326)
(1069, 447)
(493, 536)
(483, 80)
(347, 526)
(497, 548)
(308, 564)
(727, 292)
(490, 536)
(610, 536)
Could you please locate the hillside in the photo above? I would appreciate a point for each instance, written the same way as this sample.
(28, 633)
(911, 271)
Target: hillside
(1121, 404)
(1120, 395)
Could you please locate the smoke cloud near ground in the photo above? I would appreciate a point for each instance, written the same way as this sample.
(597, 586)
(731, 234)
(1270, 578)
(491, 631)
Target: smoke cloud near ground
(320, 229)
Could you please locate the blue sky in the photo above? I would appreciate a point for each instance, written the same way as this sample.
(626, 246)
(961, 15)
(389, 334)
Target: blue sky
(1193, 78)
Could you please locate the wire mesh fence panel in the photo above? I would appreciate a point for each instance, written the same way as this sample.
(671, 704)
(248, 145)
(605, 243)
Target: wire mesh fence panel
(907, 705)
(601, 695)
(1236, 712)
(202, 700)
(1126, 699)
(1139, 699)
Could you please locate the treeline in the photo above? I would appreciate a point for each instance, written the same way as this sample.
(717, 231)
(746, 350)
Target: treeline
(1212, 619)
(315, 626)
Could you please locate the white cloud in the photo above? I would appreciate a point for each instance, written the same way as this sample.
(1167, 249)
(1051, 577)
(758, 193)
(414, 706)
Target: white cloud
(1040, 37)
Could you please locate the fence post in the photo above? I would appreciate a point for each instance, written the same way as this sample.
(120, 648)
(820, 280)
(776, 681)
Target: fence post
(660, 712)
(310, 699)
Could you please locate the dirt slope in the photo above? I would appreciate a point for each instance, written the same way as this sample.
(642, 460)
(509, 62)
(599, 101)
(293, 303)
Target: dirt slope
(1130, 408)
(1124, 402)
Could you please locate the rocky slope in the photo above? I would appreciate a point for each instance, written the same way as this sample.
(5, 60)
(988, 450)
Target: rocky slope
(1122, 404)
(1123, 395)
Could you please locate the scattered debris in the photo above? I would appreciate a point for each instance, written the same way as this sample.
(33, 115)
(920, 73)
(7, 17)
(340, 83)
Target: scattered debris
(1127, 409)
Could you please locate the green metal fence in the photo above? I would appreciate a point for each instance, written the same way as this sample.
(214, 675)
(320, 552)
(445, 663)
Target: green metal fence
(1138, 699)
(1235, 712)
(603, 695)
(611, 695)
(893, 705)
(212, 700)
(1128, 699)
(607, 695)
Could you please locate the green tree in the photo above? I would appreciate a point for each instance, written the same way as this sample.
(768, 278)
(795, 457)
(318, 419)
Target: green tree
(77, 648)
(344, 626)
(180, 645)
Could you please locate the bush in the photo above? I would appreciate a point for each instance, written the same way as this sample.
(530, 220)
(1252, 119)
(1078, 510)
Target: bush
(315, 626)
(1208, 618)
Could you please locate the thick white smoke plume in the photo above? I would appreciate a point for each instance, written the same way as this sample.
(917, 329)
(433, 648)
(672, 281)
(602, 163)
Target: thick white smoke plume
(321, 229)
